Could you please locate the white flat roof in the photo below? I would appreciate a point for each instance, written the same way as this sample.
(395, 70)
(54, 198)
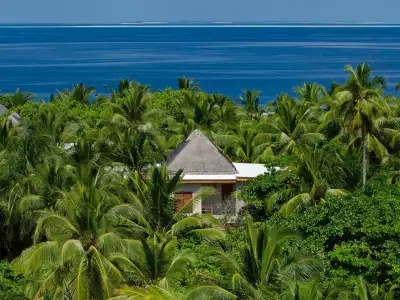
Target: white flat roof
(209, 177)
(246, 170)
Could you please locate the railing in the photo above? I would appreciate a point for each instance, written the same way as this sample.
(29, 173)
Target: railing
(228, 207)
(207, 210)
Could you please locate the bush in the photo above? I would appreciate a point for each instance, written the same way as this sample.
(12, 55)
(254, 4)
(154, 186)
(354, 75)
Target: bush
(204, 270)
(257, 190)
(356, 235)
(11, 287)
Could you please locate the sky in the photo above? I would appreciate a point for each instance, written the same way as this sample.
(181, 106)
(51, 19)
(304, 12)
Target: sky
(117, 11)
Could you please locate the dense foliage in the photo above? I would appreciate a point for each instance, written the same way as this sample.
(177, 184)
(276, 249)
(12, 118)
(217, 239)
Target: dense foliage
(87, 207)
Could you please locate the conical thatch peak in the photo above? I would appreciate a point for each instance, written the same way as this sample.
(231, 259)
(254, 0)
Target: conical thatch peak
(199, 156)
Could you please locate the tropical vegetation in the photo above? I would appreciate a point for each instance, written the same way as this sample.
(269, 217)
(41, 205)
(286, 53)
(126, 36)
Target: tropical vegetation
(87, 205)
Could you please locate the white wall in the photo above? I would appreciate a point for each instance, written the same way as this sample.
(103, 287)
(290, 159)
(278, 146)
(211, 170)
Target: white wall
(214, 200)
(239, 203)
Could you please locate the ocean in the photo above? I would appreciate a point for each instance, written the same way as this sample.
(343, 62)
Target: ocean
(224, 58)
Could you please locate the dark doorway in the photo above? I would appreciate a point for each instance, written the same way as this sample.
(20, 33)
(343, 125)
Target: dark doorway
(227, 190)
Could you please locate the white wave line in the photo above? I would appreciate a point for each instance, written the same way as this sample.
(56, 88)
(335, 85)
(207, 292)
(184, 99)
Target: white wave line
(204, 26)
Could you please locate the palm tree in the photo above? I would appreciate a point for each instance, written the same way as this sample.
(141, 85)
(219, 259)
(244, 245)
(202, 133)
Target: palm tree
(75, 241)
(187, 84)
(319, 171)
(24, 149)
(303, 291)
(245, 143)
(136, 149)
(52, 126)
(312, 290)
(40, 189)
(199, 110)
(79, 93)
(20, 151)
(82, 94)
(358, 103)
(262, 259)
(155, 262)
(226, 111)
(170, 139)
(204, 113)
(130, 107)
(199, 292)
(17, 99)
(251, 103)
(310, 92)
(190, 98)
(363, 292)
(123, 85)
(292, 124)
(7, 133)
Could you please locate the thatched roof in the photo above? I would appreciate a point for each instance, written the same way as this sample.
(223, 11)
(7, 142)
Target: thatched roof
(3, 109)
(15, 119)
(199, 156)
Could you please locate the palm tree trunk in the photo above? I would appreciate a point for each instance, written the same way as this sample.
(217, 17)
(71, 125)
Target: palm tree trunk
(364, 157)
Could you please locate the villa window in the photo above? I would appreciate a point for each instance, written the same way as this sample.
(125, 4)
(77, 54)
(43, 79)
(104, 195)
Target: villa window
(181, 200)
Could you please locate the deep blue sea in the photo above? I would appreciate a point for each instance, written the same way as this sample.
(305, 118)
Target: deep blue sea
(228, 59)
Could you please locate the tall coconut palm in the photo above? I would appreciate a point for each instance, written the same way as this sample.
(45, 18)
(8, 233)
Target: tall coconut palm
(40, 189)
(82, 94)
(387, 127)
(13, 165)
(79, 93)
(123, 85)
(170, 139)
(199, 110)
(319, 171)
(262, 259)
(251, 102)
(24, 150)
(52, 126)
(181, 130)
(358, 103)
(136, 149)
(204, 113)
(310, 92)
(187, 84)
(226, 112)
(155, 262)
(75, 241)
(245, 143)
(190, 98)
(292, 124)
(130, 107)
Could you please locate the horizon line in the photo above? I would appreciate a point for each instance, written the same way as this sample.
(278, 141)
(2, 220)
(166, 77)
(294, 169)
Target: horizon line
(216, 24)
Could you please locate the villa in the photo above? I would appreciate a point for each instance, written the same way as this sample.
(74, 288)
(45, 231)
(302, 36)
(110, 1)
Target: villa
(13, 118)
(204, 165)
